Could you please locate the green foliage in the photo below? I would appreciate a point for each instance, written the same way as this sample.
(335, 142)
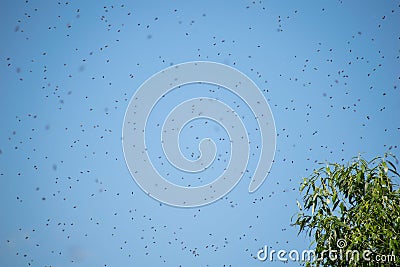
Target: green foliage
(358, 203)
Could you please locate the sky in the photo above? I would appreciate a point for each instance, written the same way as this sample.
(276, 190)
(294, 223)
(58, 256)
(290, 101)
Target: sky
(328, 70)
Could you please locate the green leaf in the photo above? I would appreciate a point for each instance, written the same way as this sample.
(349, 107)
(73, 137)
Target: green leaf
(385, 167)
(299, 205)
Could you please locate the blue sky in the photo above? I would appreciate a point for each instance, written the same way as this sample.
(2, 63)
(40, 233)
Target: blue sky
(329, 71)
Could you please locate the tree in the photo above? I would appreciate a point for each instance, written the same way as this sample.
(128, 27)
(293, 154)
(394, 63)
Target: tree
(352, 213)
